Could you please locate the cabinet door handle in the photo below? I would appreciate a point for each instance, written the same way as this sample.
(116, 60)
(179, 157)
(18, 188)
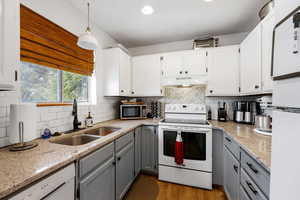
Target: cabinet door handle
(236, 168)
(256, 86)
(186, 72)
(114, 163)
(252, 168)
(122, 91)
(16, 75)
(229, 140)
(180, 72)
(119, 158)
(211, 91)
(132, 92)
(251, 187)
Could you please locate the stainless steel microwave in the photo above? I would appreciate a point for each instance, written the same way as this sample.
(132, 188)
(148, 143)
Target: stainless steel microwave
(133, 111)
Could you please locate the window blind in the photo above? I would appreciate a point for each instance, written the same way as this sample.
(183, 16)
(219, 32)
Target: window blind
(45, 43)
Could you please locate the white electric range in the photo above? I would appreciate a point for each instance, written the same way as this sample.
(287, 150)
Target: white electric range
(191, 121)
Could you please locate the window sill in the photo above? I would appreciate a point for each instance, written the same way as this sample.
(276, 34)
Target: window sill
(63, 104)
(53, 104)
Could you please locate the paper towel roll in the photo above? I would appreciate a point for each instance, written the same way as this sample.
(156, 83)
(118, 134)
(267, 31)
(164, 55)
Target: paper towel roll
(26, 113)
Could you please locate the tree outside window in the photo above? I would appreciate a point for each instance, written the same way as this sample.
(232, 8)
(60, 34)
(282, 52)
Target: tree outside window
(42, 84)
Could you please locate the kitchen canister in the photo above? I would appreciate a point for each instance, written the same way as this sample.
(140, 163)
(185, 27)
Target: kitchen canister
(23, 126)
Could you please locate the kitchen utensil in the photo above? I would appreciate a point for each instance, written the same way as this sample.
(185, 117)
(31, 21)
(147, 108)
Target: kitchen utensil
(263, 123)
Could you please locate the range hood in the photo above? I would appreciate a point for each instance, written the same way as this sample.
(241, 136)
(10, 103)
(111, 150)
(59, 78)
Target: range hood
(6, 87)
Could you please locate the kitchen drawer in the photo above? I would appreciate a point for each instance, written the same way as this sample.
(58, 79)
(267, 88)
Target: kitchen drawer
(258, 173)
(90, 162)
(251, 188)
(123, 141)
(243, 194)
(232, 145)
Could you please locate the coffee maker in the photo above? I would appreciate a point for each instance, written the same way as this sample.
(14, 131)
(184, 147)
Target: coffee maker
(244, 112)
(222, 112)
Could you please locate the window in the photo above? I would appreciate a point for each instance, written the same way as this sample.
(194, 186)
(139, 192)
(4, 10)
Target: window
(43, 84)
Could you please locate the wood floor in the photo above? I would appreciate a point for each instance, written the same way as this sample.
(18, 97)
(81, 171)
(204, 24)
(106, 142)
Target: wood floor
(150, 188)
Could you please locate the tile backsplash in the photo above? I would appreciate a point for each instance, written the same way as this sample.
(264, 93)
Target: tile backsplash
(60, 118)
(196, 95)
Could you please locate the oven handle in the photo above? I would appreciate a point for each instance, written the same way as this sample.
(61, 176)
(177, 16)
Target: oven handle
(206, 131)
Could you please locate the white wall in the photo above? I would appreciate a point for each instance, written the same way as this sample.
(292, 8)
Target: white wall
(224, 40)
(59, 118)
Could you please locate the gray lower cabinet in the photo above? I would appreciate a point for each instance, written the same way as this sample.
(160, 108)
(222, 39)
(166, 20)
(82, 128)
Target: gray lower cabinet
(218, 157)
(137, 150)
(251, 187)
(124, 169)
(244, 177)
(243, 194)
(256, 172)
(150, 149)
(231, 175)
(97, 175)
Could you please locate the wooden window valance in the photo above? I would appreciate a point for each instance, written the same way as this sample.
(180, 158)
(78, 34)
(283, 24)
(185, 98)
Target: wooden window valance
(45, 43)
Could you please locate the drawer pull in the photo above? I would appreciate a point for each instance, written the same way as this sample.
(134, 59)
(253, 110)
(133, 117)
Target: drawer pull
(251, 187)
(252, 168)
(235, 168)
(229, 140)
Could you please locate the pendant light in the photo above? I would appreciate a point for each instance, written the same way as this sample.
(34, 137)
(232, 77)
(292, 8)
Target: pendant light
(87, 40)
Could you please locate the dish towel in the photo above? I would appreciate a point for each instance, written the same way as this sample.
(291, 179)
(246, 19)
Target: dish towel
(179, 154)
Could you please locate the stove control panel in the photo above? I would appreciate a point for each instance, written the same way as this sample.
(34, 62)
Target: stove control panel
(186, 108)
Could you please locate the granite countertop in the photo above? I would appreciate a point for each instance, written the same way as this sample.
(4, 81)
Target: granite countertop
(20, 169)
(257, 145)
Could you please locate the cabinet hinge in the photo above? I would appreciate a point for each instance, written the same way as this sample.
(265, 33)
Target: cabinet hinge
(239, 50)
(239, 89)
(206, 69)
(206, 53)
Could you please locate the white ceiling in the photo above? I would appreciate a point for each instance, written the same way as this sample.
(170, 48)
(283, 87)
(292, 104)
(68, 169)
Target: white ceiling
(173, 20)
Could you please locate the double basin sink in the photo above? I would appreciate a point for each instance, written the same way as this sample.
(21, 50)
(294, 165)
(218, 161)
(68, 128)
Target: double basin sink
(86, 137)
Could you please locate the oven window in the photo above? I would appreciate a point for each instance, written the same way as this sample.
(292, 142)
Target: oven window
(131, 111)
(194, 144)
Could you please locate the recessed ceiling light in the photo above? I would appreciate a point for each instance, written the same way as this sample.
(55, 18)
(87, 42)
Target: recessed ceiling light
(208, 0)
(147, 10)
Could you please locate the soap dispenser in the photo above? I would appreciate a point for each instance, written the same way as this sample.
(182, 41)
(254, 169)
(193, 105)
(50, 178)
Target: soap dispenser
(89, 120)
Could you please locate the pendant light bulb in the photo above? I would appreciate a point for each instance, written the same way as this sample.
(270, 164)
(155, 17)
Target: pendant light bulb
(87, 40)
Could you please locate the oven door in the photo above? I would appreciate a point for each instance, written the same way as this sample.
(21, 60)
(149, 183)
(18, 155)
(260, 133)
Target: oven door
(197, 143)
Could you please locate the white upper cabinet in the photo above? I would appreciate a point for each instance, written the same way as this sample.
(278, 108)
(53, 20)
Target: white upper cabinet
(9, 42)
(250, 68)
(117, 72)
(267, 26)
(172, 64)
(223, 71)
(184, 67)
(195, 62)
(146, 75)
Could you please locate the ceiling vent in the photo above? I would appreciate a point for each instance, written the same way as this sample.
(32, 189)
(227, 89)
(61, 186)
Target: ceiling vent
(205, 42)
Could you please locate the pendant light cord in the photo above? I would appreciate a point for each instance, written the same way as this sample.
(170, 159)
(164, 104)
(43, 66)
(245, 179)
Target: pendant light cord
(88, 28)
